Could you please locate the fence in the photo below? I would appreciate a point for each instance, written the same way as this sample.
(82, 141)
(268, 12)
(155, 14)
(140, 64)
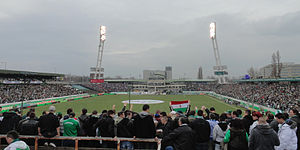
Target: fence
(77, 139)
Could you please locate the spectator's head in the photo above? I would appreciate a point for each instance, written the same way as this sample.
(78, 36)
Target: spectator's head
(235, 114)
(0, 108)
(262, 121)
(163, 114)
(32, 115)
(11, 136)
(270, 116)
(192, 113)
(95, 112)
(280, 117)
(213, 116)
(84, 111)
(146, 108)
(44, 113)
(293, 112)
(200, 113)
(104, 111)
(223, 117)
(111, 113)
(59, 115)
(72, 115)
(121, 114)
(247, 112)
(69, 110)
(32, 110)
(128, 114)
(52, 109)
(237, 124)
(239, 112)
(164, 120)
(212, 109)
(256, 115)
(183, 120)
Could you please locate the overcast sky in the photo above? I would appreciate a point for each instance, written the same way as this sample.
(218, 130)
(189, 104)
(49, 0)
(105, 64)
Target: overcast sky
(63, 35)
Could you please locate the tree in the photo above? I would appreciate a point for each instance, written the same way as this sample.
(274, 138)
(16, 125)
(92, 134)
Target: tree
(274, 66)
(251, 72)
(279, 64)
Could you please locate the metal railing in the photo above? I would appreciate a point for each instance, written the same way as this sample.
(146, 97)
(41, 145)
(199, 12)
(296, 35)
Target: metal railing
(77, 139)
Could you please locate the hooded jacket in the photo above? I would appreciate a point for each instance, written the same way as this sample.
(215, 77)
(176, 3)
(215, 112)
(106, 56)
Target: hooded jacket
(144, 125)
(287, 137)
(124, 127)
(263, 137)
(219, 132)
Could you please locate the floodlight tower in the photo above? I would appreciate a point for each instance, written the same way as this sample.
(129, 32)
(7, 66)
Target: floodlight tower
(219, 70)
(100, 52)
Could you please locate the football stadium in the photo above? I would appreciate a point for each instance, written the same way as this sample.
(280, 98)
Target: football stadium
(108, 106)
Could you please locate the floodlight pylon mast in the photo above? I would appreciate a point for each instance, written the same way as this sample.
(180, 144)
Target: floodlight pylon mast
(100, 53)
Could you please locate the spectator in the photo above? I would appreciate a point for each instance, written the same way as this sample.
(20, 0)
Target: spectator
(29, 126)
(263, 137)
(287, 134)
(236, 136)
(106, 125)
(255, 117)
(90, 123)
(82, 119)
(48, 126)
(181, 138)
(124, 126)
(247, 120)
(202, 129)
(10, 121)
(212, 122)
(71, 128)
(294, 115)
(219, 132)
(12, 138)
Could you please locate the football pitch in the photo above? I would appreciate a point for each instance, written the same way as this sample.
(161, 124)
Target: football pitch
(100, 103)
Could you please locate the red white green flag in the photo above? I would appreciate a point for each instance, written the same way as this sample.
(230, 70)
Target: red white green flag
(180, 105)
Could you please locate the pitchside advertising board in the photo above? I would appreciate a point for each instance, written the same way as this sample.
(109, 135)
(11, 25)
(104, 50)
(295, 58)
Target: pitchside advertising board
(97, 80)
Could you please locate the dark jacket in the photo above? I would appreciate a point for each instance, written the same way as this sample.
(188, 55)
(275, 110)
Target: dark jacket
(201, 128)
(263, 137)
(106, 126)
(89, 125)
(125, 128)
(10, 122)
(82, 119)
(48, 124)
(182, 138)
(247, 121)
(28, 127)
(168, 128)
(144, 126)
(274, 125)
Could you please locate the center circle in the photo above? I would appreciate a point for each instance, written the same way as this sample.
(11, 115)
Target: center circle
(143, 101)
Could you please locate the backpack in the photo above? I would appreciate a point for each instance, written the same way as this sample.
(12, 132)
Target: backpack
(238, 140)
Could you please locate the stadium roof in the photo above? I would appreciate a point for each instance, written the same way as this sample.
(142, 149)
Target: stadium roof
(27, 74)
(177, 80)
(271, 80)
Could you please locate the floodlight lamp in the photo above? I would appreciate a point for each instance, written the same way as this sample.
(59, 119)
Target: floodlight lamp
(212, 30)
(103, 38)
(102, 30)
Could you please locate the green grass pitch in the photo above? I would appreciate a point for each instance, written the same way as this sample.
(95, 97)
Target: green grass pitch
(100, 103)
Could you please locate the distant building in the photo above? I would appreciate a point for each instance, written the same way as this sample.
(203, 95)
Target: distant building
(288, 70)
(158, 74)
(93, 72)
(200, 75)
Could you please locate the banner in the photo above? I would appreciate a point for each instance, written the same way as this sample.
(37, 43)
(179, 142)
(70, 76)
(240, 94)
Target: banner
(180, 105)
(97, 80)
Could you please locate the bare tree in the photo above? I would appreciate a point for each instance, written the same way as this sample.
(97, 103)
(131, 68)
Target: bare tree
(274, 66)
(279, 64)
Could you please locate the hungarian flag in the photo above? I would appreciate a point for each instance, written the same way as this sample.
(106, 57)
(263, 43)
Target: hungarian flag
(180, 105)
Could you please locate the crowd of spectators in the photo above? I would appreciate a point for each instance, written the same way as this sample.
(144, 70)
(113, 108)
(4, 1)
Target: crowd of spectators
(108, 87)
(17, 92)
(202, 129)
(272, 95)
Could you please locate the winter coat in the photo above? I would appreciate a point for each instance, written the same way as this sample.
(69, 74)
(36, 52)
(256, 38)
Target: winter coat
(29, 127)
(254, 124)
(182, 138)
(88, 126)
(82, 119)
(212, 124)
(202, 129)
(219, 132)
(17, 145)
(287, 137)
(237, 139)
(263, 137)
(124, 128)
(144, 125)
(10, 122)
(106, 126)
(274, 125)
(247, 121)
(297, 120)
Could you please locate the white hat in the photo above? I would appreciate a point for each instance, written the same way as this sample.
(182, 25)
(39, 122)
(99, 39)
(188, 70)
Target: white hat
(52, 108)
